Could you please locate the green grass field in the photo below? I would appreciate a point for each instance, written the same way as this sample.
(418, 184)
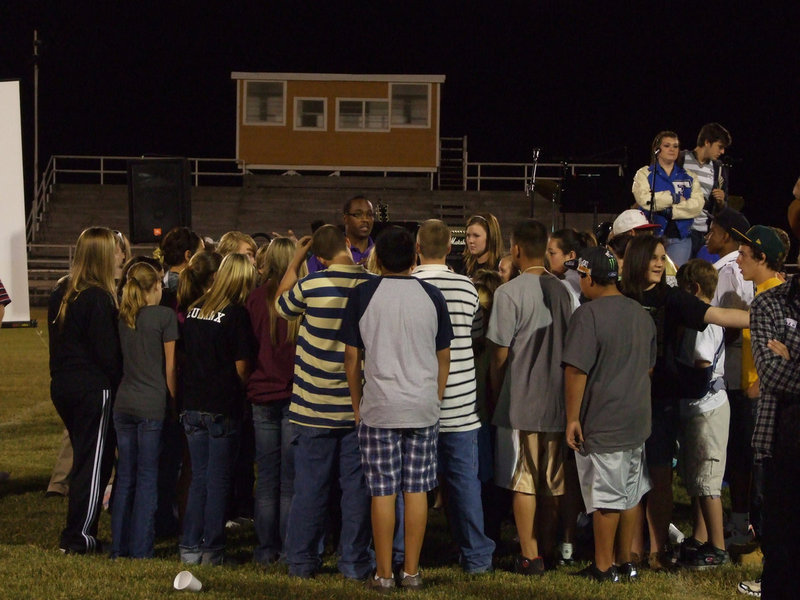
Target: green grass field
(31, 565)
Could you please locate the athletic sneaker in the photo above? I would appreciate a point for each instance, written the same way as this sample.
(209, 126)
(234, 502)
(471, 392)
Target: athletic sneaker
(382, 585)
(411, 581)
(707, 556)
(592, 572)
(628, 572)
(528, 566)
(750, 588)
(688, 549)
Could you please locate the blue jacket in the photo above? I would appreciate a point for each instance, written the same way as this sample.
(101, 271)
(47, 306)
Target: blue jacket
(678, 197)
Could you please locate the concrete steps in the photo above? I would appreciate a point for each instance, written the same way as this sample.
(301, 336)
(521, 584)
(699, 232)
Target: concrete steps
(264, 204)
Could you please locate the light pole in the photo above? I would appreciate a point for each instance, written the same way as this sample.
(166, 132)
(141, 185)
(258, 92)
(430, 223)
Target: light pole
(36, 44)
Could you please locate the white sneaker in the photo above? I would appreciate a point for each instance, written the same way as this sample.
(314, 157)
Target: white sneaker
(750, 588)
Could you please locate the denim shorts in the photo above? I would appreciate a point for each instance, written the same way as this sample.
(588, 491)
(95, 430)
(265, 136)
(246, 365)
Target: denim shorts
(396, 460)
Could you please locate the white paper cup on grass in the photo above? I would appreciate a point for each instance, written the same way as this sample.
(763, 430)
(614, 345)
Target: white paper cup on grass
(186, 581)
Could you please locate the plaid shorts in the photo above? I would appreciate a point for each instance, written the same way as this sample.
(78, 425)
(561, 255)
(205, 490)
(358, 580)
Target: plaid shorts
(397, 460)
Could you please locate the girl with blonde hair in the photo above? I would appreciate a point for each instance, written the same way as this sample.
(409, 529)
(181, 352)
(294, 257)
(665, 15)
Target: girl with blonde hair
(484, 243)
(85, 369)
(147, 334)
(269, 390)
(238, 243)
(219, 344)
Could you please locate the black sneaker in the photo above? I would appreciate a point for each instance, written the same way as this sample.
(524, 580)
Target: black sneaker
(528, 566)
(707, 556)
(628, 572)
(592, 572)
(688, 549)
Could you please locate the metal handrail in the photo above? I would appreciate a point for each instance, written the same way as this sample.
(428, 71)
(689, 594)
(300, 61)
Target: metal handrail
(55, 166)
(475, 171)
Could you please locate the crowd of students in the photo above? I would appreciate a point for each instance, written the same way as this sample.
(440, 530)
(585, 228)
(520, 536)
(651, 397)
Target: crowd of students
(556, 383)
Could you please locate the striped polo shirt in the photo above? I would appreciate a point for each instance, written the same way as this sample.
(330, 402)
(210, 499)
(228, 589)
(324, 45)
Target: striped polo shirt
(705, 175)
(458, 410)
(320, 396)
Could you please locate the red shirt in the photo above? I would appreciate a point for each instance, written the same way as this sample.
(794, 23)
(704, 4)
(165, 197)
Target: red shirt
(273, 371)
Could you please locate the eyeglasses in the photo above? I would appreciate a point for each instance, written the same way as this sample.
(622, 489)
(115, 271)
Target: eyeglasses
(361, 214)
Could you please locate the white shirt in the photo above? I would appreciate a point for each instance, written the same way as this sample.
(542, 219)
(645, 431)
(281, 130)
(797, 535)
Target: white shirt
(732, 292)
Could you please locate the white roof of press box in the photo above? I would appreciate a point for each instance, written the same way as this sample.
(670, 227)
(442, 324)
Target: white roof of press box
(337, 77)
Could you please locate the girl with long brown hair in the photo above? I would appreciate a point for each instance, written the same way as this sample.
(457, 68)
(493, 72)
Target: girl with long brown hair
(483, 243)
(269, 390)
(85, 369)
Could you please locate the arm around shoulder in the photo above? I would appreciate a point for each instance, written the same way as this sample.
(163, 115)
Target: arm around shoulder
(727, 317)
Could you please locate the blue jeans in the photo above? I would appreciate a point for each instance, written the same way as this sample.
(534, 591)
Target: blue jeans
(275, 483)
(319, 454)
(212, 440)
(458, 471)
(679, 250)
(136, 485)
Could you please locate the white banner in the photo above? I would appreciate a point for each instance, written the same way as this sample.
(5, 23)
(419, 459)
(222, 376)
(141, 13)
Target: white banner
(13, 255)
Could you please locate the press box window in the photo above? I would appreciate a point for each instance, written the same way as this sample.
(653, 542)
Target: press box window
(309, 113)
(264, 103)
(410, 104)
(371, 115)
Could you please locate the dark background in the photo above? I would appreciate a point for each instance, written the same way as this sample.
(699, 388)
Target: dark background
(132, 78)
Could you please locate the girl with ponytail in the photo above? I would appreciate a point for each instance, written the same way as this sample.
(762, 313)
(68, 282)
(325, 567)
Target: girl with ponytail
(147, 334)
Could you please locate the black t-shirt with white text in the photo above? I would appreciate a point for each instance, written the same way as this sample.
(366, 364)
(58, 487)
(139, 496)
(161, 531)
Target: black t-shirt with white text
(212, 346)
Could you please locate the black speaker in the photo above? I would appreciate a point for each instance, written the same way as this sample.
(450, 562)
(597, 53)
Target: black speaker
(608, 192)
(158, 197)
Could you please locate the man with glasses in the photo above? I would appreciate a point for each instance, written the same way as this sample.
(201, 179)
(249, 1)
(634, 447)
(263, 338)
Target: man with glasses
(358, 217)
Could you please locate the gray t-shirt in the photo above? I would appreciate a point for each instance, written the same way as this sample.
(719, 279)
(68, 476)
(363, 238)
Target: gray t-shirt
(529, 317)
(143, 390)
(613, 340)
(400, 323)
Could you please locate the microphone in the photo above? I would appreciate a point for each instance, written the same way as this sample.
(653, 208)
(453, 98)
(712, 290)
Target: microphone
(656, 151)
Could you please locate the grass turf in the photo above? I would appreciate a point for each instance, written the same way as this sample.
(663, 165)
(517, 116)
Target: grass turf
(31, 566)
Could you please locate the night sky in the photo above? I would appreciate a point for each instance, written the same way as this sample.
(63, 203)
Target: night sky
(131, 78)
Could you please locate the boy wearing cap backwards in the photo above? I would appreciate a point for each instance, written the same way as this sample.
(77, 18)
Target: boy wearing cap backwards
(734, 292)
(762, 251)
(609, 351)
(401, 327)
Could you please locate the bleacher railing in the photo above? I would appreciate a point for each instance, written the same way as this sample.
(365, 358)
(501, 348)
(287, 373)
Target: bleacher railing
(487, 175)
(104, 170)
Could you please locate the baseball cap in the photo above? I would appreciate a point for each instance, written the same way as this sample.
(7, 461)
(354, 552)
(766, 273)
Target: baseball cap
(730, 219)
(629, 220)
(764, 239)
(595, 261)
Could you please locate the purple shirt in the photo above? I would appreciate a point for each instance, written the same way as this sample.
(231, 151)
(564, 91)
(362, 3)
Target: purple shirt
(360, 258)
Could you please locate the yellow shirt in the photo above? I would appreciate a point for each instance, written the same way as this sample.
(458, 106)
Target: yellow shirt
(749, 375)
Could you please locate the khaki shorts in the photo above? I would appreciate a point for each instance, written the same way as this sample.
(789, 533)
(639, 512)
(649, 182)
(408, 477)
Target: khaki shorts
(539, 468)
(703, 451)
